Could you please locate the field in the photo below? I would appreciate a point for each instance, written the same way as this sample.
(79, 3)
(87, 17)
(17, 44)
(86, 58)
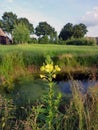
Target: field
(50, 49)
(28, 102)
(67, 57)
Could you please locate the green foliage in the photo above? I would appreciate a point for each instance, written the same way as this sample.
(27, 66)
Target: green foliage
(33, 40)
(34, 54)
(7, 113)
(53, 38)
(51, 100)
(43, 40)
(81, 41)
(76, 31)
(11, 64)
(26, 22)
(21, 33)
(78, 104)
(44, 29)
(1, 23)
(9, 19)
(66, 32)
(61, 42)
(79, 30)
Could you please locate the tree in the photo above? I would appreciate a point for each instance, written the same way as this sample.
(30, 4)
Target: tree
(76, 31)
(66, 32)
(21, 33)
(44, 29)
(27, 23)
(8, 21)
(79, 30)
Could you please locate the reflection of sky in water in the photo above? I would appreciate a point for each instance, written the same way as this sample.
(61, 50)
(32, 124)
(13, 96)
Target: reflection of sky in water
(65, 86)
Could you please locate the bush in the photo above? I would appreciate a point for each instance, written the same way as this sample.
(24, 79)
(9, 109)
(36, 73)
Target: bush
(33, 40)
(82, 41)
(61, 42)
(21, 34)
(43, 40)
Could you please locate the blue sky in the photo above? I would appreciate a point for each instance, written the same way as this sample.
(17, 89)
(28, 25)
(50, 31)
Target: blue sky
(56, 12)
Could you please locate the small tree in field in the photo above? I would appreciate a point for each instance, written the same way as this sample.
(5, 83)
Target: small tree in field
(21, 33)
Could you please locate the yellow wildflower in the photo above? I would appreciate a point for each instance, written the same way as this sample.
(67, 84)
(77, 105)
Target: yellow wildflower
(42, 68)
(42, 76)
(54, 76)
(49, 68)
(57, 68)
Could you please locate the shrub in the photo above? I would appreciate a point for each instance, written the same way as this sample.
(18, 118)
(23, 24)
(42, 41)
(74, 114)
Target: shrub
(11, 67)
(43, 40)
(33, 40)
(82, 41)
(21, 33)
(61, 42)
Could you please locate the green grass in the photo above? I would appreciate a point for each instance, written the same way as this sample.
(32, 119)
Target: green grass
(50, 49)
(63, 55)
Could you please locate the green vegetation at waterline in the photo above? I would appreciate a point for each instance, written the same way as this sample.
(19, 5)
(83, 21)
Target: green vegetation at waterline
(32, 56)
(35, 52)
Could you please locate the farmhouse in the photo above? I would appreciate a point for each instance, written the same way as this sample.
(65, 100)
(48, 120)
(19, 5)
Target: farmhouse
(4, 38)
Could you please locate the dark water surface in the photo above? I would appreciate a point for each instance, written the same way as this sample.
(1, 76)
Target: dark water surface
(65, 86)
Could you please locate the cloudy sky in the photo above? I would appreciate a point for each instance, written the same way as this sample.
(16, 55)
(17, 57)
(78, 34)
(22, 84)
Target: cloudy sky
(56, 12)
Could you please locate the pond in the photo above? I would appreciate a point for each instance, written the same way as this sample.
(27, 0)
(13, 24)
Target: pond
(65, 86)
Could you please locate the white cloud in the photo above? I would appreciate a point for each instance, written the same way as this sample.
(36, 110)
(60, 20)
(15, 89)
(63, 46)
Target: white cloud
(93, 31)
(91, 17)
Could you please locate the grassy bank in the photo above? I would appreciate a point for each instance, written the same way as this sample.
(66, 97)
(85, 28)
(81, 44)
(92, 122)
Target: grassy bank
(50, 49)
(31, 57)
(36, 53)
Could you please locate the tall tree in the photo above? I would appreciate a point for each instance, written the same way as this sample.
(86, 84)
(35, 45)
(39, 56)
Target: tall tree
(21, 33)
(76, 31)
(66, 32)
(9, 20)
(27, 23)
(79, 30)
(44, 29)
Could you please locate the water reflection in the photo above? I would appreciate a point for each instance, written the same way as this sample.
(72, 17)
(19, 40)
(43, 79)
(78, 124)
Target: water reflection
(65, 86)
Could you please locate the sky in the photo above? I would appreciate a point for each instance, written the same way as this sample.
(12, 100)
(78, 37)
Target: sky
(57, 13)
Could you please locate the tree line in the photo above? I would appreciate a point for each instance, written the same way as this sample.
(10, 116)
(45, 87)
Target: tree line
(20, 30)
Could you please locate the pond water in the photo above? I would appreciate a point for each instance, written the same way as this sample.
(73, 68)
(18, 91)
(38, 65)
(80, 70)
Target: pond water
(65, 86)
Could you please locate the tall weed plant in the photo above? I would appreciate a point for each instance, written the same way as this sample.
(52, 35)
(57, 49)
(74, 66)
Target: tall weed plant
(11, 66)
(48, 114)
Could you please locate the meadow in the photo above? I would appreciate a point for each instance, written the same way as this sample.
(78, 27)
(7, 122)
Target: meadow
(28, 102)
(68, 57)
(50, 49)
